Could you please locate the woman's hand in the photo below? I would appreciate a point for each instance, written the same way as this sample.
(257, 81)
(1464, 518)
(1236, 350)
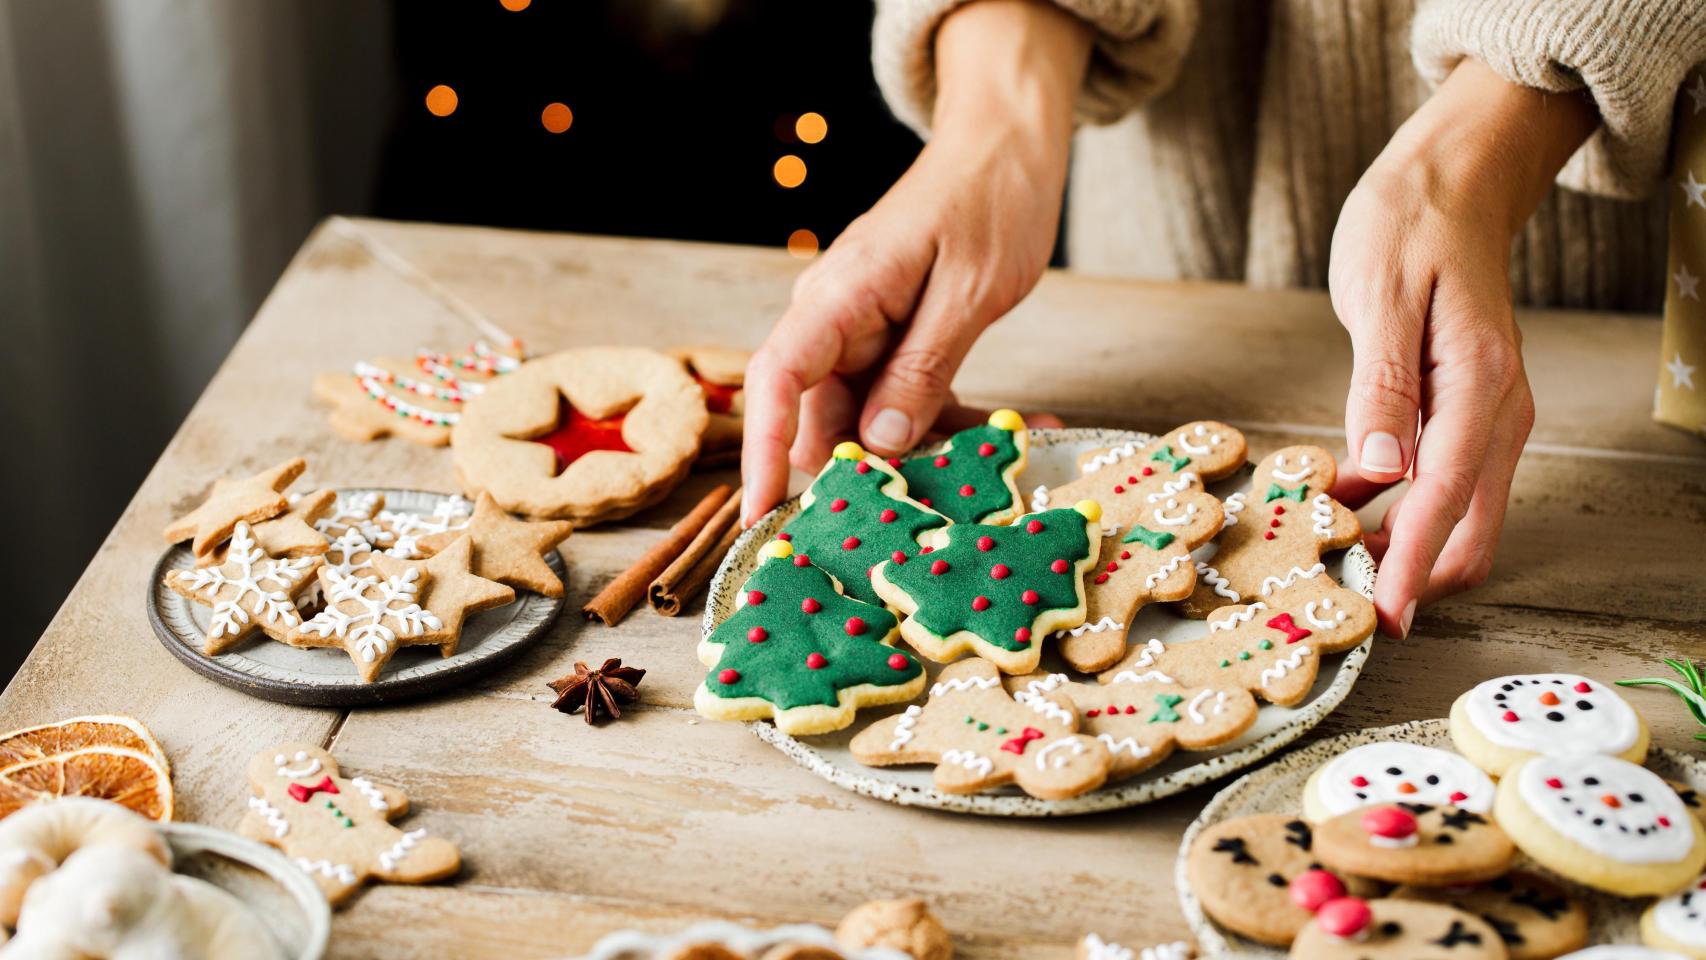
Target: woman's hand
(881, 322)
(1420, 277)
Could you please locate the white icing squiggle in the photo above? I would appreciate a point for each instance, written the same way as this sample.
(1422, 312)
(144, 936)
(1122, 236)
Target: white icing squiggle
(1270, 584)
(1233, 505)
(1112, 456)
(903, 727)
(390, 858)
(971, 761)
(1166, 570)
(1039, 499)
(1326, 605)
(1068, 743)
(1283, 667)
(1124, 745)
(1237, 618)
(375, 796)
(272, 815)
(1322, 514)
(1154, 648)
(1046, 707)
(1172, 488)
(1131, 676)
(1100, 626)
(1221, 585)
(1194, 708)
(326, 868)
(962, 684)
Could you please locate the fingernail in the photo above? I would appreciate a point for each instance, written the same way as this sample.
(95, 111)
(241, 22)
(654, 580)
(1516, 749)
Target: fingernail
(890, 428)
(746, 516)
(1381, 453)
(1404, 621)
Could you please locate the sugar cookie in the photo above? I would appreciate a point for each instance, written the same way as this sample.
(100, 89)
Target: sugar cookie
(1504, 721)
(249, 591)
(1678, 922)
(508, 550)
(973, 479)
(1415, 843)
(1241, 871)
(1393, 771)
(251, 500)
(1351, 929)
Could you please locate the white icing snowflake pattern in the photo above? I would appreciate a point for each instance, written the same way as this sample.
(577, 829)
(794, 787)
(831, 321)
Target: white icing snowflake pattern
(356, 511)
(263, 585)
(386, 608)
(409, 528)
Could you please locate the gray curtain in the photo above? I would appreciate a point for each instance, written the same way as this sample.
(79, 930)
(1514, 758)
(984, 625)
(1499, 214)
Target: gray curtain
(160, 160)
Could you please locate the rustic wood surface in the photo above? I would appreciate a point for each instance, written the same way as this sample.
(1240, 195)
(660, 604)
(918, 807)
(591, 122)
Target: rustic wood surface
(568, 833)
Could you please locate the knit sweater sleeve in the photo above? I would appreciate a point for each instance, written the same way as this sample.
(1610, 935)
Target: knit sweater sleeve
(1139, 46)
(1629, 55)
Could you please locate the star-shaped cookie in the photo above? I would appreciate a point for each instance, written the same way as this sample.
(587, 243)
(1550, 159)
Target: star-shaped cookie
(250, 589)
(370, 617)
(252, 499)
(452, 593)
(506, 549)
(290, 535)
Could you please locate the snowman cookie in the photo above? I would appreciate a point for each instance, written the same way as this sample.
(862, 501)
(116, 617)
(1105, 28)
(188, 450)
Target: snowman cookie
(1678, 922)
(1603, 822)
(1533, 916)
(1391, 772)
(1506, 720)
(338, 829)
(1241, 871)
(1347, 928)
(1415, 843)
(1620, 952)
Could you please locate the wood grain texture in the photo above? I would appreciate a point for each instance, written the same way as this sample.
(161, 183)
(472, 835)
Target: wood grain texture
(660, 821)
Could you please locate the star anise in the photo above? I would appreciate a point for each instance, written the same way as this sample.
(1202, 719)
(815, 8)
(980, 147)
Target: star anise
(598, 690)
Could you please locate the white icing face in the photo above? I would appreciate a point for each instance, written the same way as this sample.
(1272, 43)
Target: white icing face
(1612, 807)
(1291, 472)
(1392, 772)
(1623, 953)
(1682, 916)
(1553, 713)
(306, 766)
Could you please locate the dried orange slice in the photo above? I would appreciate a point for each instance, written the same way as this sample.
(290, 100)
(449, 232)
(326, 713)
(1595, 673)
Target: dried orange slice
(124, 776)
(52, 739)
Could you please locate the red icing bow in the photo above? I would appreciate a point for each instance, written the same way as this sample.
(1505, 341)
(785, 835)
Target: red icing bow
(1292, 631)
(1018, 743)
(301, 792)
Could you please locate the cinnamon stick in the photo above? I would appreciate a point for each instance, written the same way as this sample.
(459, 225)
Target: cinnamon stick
(676, 587)
(629, 587)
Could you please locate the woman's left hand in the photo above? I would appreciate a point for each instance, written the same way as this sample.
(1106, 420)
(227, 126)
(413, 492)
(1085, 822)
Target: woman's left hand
(1419, 275)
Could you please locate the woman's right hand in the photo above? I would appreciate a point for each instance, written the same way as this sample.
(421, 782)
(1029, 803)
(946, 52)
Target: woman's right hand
(880, 323)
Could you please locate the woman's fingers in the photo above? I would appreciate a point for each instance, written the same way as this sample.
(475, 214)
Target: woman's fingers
(1468, 555)
(828, 413)
(914, 382)
(1386, 324)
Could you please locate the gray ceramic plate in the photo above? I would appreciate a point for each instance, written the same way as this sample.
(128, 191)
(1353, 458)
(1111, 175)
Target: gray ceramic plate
(1278, 788)
(1052, 462)
(326, 677)
(285, 899)
(636, 945)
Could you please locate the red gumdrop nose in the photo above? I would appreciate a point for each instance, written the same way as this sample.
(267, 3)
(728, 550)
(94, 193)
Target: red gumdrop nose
(1345, 917)
(1392, 823)
(1312, 888)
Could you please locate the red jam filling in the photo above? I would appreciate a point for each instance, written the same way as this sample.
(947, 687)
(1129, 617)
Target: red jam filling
(577, 435)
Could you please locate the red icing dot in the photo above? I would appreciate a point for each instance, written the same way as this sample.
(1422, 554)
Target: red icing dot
(1273, 523)
(851, 543)
(1392, 823)
(1130, 709)
(1118, 488)
(899, 556)
(887, 516)
(986, 449)
(1113, 565)
(863, 467)
(967, 490)
(1664, 821)
(924, 500)
(837, 505)
(1060, 566)
(1510, 716)
(1022, 635)
(816, 661)
(728, 676)
(1279, 510)
(999, 571)
(939, 567)
(810, 605)
(1132, 480)
(801, 560)
(1459, 796)
(980, 603)
(1101, 578)
(1268, 536)
(1125, 554)
(1555, 783)
(758, 634)
(1583, 687)
(1029, 597)
(854, 626)
(898, 661)
(925, 549)
(941, 461)
(1344, 917)
(784, 535)
(1093, 713)
(1312, 888)
(755, 597)
(894, 462)
(986, 544)
(1035, 526)
(1147, 471)
(1359, 781)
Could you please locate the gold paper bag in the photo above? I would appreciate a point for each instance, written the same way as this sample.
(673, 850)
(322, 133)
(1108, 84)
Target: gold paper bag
(1680, 399)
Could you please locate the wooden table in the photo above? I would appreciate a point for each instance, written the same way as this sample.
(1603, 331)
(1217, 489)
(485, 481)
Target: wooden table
(568, 833)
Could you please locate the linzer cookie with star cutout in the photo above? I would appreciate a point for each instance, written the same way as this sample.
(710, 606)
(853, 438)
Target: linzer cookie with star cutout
(1392, 771)
(1415, 843)
(588, 435)
(1534, 917)
(1241, 871)
(1506, 720)
(1276, 532)
(721, 373)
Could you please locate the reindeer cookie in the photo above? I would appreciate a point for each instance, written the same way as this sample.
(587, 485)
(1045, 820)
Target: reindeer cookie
(979, 737)
(1241, 871)
(1143, 719)
(335, 828)
(1415, 843)
(1348, 928)
(1533, 916)
(1272, 648)
(1279, 528)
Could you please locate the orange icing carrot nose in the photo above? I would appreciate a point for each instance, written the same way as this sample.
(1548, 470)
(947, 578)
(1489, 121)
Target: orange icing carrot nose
(1549, 698)
(1406, 787)
(1611, 801)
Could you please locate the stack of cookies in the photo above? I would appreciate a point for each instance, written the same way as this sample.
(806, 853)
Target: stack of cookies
(1406, 851)
(943, 551)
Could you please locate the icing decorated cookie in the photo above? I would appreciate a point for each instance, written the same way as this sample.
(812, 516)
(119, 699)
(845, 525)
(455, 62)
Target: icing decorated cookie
(588, 435)
(1678, 922)
(418, 401)
(250, 590)
(1353, 929)
(855, 515)
(1093, 947)
(979, 738)
(1532, 915)
(1603, 822)
(403, 530)
(799, 652)
(1392, 772)
(974, 478)
(448, 592)
(250, 500)
(369, 617)
(1126, 478)
(1619, 952)
(1241, 871)
(506, 549)
(1142, 722)
(335, 828)
(1506, 720)
(1415, 843)
(1272, 648)
(1275, 531)
(995, 591)
(721, 374)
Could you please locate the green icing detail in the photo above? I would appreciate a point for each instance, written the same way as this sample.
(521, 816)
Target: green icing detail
(821, 533)
(1153, 539)
(1167, 714)
(1225, 663)
(941, 485)
(1244, 655)
(1265, 645)
(1165, 455)
(1000, 730)
(1275, 492)
(775, 669)
(945, 600)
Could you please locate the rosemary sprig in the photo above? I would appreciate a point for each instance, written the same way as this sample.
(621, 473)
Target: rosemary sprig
(1692, 690)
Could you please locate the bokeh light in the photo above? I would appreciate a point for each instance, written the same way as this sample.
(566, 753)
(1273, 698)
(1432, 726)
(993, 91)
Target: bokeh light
(557, 117)
(441, 101)
(802, 244)
(516, 6)
(790, 171)
(811, 127)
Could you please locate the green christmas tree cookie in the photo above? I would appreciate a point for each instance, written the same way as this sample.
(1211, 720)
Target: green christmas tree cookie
(855, 515)
(975, 479)
(995, 591)
(799, 651)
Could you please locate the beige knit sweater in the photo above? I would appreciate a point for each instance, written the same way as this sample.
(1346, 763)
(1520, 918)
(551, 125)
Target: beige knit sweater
(1222, 136)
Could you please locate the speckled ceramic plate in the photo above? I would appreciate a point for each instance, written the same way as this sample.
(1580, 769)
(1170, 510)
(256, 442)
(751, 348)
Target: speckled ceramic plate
(1053, 456)
(1278, 788)
(326, 677)
(637, 945)
(285, 898)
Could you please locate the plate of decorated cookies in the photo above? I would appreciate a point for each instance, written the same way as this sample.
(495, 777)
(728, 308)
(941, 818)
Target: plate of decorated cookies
(351, 596)
(1042, 622)
(1536, 822)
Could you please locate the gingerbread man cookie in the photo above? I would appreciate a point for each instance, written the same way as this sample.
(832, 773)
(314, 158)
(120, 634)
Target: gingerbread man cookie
(1126, 478)
(249, 590)
(1275, 531)
(1142, 720)
(1272, 648)
(973, 479)
(1415, 843)
(1533, 916)
(979, 738)
(1241, 871)
(338, 829)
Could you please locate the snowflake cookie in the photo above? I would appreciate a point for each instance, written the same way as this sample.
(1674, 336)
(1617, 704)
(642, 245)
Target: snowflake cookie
(369, 617)
(249, 590)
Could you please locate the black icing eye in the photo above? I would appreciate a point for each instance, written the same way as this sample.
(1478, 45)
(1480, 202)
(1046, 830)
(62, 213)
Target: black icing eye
(1583, 705)
(1390, 929)
(1599, 821)
(1394, 771)
(1554, 716)
(1276, 880)
(1590, 781)
(1498, 696)
(1433, 781)
(1637, 798)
